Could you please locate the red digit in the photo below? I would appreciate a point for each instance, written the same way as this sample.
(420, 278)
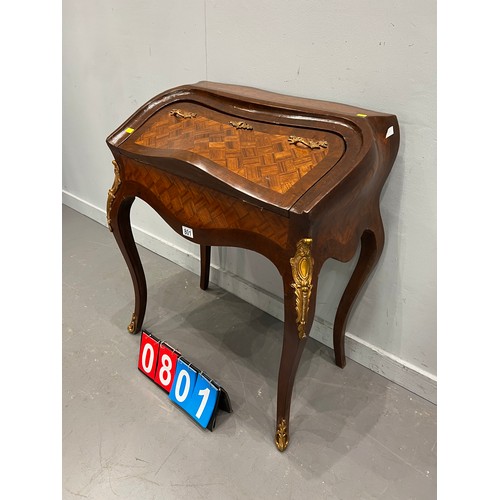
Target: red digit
(167, 361)
(148, 355)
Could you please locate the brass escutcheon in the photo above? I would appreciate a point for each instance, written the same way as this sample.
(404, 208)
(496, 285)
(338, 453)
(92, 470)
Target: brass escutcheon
(241, 125)
(310, 143)
(182, 114)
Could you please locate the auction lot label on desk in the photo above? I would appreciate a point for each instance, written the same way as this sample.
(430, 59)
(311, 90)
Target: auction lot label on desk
(188, 387)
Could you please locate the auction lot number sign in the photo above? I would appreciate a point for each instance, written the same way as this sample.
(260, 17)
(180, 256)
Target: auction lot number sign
(189, 388)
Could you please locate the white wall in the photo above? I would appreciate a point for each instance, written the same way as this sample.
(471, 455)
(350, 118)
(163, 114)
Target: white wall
(379, 55)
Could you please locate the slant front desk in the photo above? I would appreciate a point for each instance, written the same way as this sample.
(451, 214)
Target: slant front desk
(294, 179)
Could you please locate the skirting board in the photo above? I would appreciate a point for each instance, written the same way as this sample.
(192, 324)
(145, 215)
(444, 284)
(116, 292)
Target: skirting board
(393, 368)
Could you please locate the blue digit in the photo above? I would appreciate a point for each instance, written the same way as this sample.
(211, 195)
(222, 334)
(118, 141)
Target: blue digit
(183, 385)
(202, 402)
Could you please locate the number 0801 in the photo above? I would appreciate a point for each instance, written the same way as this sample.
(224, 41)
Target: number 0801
(186, 386)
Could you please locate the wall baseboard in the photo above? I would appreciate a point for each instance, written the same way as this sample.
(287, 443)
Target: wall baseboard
(416, 380)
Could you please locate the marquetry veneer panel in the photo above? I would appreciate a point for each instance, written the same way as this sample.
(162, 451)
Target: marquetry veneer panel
(202, 207)
(266, 159)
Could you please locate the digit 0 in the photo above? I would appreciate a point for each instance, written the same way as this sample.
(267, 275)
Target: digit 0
(148, 355)
(183, 384)
(183, 374)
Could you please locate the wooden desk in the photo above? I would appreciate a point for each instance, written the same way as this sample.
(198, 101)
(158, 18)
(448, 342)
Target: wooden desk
(296, 180)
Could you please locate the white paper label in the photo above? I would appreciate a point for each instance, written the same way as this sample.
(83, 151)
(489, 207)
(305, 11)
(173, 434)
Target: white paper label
(187, 231)
(390, 131)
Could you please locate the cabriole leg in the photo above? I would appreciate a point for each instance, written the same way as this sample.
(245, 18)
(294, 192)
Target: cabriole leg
(372, 243)
(300, 284)
(118, 214)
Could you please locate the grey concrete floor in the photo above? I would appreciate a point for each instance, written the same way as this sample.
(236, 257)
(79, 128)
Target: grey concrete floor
(354, 434)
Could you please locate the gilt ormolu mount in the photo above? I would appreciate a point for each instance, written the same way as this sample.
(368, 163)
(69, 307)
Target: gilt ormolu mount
(296, 180)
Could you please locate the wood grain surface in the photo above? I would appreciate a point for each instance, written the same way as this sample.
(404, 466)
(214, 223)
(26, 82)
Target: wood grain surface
(258, 155)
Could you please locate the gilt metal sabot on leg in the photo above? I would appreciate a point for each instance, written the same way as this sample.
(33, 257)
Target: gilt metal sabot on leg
(281, 438)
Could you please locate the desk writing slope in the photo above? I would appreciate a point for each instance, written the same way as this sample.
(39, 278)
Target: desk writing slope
(297, 180)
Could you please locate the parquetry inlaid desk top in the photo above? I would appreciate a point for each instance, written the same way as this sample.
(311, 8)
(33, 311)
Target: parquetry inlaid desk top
(297, 180)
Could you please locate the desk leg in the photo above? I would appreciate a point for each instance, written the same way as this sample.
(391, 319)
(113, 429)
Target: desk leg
(290, 358)
(205, 266)
(119, 224)
(300, 285)
(372, 243)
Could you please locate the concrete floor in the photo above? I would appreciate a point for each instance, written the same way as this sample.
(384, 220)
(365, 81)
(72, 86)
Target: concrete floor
(354, 434)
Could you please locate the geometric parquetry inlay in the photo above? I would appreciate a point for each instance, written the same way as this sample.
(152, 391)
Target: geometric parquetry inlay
(266, 159)
(202, 207)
